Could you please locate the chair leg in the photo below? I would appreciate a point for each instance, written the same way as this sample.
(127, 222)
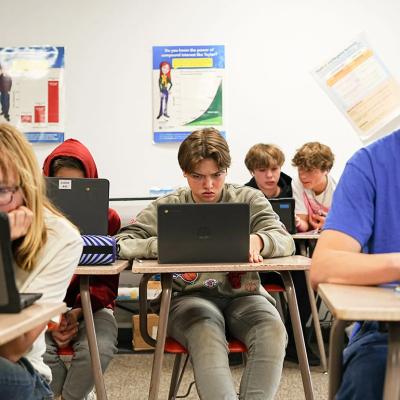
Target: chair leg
(177, 376)
(174, 377)
(317, 326)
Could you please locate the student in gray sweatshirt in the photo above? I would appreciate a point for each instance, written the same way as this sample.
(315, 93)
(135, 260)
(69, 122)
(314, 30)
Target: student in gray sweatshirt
(206, 305)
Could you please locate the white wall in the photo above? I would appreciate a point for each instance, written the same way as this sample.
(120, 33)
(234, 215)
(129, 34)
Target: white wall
(271, 47)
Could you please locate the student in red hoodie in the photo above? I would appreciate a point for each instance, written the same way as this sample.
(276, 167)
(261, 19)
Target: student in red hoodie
(73, 160)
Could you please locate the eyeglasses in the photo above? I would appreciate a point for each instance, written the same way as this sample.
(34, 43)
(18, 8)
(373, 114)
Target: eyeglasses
(7, 194)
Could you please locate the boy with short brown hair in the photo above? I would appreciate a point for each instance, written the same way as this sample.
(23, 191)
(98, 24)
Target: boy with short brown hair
(313, 190)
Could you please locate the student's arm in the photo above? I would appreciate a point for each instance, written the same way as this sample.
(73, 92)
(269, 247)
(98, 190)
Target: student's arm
(302, 220)
(140, 238)
(17, 347)
(277, 242)
(337, 259)
(256, 246)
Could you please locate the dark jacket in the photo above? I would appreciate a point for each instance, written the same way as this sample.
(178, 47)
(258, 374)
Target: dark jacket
(5, 83)
(285, 183)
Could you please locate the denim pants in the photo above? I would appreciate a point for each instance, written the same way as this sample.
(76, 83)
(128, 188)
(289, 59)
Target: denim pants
(200, 323)
(364, 365)
(5, 103)
(75, 382)
(20, 381)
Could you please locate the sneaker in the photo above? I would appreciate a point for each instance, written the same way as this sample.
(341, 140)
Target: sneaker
(291, 355)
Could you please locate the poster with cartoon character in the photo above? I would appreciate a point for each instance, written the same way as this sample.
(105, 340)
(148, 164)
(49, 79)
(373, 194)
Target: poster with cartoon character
(32, 91)
(187, 90)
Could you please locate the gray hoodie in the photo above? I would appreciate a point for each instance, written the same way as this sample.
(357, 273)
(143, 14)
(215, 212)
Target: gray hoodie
(140, 240)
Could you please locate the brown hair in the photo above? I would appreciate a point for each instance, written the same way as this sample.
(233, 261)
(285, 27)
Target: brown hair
(264, 156)
(314, 155)
(202, 144)
(18, 158)
(66, 162)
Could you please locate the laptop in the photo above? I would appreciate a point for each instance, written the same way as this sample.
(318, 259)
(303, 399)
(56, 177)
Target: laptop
(11, 301)
(285, 207)
(83, 201)
(203, 233)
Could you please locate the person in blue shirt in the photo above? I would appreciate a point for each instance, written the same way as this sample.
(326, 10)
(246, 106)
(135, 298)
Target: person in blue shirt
(360, 245)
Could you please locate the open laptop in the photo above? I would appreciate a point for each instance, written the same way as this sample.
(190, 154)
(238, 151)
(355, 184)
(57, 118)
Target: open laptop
(11, 301)
(83, 201)
(202, 233)
(285, 207)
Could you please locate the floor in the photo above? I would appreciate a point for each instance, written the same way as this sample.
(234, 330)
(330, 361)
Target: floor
(128, 377)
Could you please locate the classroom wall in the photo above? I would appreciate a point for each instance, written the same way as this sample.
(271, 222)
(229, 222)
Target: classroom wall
(271, 48)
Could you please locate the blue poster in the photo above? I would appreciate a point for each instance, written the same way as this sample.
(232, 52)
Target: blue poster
(187, 90)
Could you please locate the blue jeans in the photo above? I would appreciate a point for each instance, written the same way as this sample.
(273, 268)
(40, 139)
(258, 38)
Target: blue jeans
(20, 381)
(5, 103)
(364, 363)
(199, 324)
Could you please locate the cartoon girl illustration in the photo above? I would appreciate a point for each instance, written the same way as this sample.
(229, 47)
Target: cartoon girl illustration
(165, 84)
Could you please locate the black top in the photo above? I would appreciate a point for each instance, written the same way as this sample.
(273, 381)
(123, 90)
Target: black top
(285, 183)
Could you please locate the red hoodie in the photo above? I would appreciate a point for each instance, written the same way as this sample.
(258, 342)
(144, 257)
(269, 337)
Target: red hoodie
(103, 288)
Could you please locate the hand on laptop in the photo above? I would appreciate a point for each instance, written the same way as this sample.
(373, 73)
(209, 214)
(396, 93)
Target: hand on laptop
(20, 220)
(256, 245)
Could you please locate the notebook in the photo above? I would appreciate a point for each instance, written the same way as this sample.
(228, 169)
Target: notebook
(285, 207)
(203, 233)
(11, 301)
(83, 201)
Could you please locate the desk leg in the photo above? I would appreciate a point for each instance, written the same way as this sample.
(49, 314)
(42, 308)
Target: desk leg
(336, 343)
(317, 326)
(298, 335)
(392, 382)
(303, 248)
(91, 336)
(166, 285)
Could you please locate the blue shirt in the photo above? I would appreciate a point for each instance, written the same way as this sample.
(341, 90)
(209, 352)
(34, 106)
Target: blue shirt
(366, 203)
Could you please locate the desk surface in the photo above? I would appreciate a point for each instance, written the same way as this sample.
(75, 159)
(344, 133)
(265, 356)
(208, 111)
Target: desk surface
(14, 325)
(348, 302)
(112, 269)
(292, 263)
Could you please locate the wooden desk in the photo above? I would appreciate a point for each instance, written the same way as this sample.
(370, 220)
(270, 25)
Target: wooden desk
(307, 242)
(352, 303)
(14, 325)
(85, 271)
(283, 265)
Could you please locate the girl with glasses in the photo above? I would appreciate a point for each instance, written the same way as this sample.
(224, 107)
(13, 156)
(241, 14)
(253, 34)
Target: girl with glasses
(46, 250)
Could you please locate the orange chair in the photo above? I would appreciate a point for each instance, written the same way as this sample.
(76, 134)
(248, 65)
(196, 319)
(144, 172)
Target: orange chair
(173, 347)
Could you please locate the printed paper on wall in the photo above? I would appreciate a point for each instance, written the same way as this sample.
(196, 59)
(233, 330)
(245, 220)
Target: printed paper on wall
(361, 87)
(187, 90)
(32, 91)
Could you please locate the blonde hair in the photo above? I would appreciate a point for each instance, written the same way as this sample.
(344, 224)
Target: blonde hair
(314, 155)
(264, 156)
(202, 144)
(18, 160)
